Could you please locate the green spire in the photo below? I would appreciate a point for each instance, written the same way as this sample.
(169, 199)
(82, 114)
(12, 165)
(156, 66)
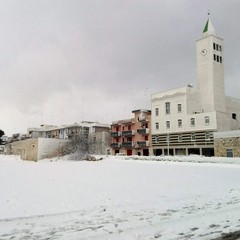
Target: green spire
(206, 27)
(209, 29)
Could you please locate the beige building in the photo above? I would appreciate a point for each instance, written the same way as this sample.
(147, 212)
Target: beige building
(34, 149)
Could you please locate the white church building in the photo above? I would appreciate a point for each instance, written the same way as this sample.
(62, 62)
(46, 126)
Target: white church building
(184, 120)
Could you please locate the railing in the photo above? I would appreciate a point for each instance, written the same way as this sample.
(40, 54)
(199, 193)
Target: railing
(143, 143)
(143, 131)
(128, 133)
(115, 145)
(128, 144)
(115, 134)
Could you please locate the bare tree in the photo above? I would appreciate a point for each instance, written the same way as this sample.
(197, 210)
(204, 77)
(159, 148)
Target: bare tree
(78, 147)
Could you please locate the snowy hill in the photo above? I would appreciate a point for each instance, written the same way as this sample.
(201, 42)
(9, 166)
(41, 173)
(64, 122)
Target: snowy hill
(119, 198)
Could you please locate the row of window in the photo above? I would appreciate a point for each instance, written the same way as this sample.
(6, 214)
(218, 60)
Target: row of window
(217, 58)
(192, 123)
(128, 128)
(193, 137)
(217, 47)
(167, 109)
(130, 139)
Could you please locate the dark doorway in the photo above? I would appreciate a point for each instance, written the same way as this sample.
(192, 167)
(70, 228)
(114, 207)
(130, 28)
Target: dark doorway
(194, 151)
(145, 152)
(208, 152)
(157, 152)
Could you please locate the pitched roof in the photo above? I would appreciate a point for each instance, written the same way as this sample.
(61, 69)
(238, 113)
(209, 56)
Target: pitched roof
(209, 29)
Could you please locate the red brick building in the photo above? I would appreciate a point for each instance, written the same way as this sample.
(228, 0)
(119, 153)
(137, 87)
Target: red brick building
(132, 136)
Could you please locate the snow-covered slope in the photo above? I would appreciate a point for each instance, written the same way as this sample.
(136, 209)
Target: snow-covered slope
(118, 198)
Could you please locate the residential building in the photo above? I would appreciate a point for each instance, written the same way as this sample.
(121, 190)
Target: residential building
(184, 120)
(132, 136)
(48, 140)
(98, 134)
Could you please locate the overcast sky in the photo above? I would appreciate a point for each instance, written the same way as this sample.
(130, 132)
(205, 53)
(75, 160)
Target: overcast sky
(64, 61)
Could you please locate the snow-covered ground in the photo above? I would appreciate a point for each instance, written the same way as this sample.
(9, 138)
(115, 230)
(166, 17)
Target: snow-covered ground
(119, 198)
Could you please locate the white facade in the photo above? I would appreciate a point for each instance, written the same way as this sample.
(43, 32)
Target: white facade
(184, 119)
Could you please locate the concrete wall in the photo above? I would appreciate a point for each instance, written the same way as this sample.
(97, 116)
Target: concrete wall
(35, 148)
(27, 149)
(99, 143)
(49, 147)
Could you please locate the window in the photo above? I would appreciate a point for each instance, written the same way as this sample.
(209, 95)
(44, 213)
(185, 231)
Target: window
(193, 137)
(129, 127)
(179, 123)
(217, 47)
(207, 136)
(234, 116)
(179, 107)
(217, 58)
(180, 138)
(167, 107)
(207, 120)
(157, 125)
(167, 124)
(157, 111)
(229, 153)
(192, 120)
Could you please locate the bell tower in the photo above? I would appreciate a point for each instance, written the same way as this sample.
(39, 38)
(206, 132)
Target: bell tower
(210, 70)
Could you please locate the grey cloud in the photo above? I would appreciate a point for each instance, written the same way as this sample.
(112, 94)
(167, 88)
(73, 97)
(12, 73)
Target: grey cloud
(108, 51)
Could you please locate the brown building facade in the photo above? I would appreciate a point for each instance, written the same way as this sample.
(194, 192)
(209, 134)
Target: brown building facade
(132, 136)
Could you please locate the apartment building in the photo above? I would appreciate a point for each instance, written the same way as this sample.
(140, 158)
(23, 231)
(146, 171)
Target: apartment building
(98, 134)
(132, 136)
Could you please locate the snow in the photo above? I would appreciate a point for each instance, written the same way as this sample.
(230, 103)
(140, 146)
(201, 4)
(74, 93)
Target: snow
(130, 198)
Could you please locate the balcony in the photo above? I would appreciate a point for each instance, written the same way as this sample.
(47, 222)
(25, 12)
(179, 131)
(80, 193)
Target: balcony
(142, 144)
(143, 131)
(116, 145)
(128, 144)
(128, 133)
(115, 134)
(142, 118)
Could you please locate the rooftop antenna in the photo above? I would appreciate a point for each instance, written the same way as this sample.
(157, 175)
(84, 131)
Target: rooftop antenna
(83, 109)
(146, 95)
